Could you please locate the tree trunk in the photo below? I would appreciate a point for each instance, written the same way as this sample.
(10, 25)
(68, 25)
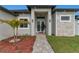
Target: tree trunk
(15, 39)
(15, 36)
(16, 31)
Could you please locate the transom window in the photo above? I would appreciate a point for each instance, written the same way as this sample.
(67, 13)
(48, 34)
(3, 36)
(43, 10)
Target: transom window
(24, 25)
(65, 18)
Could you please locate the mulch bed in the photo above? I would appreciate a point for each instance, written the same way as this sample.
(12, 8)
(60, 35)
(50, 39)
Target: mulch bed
(25, 45)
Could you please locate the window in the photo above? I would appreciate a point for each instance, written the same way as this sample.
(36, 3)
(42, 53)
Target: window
(65, 18)
(24, 25)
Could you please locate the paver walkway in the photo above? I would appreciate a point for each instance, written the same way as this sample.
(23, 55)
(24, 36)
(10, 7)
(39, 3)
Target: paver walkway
(41, 45)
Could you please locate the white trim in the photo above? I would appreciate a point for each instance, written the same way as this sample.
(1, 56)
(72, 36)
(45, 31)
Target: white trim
(23, 18)
(65, 20)
(56, 23)
(49, 22)
(41, 10)
(77, 21)
(74, 25)
(32, 22)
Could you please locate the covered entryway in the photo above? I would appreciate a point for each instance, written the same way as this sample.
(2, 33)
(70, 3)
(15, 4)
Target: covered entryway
(41, 11)
(41, 21)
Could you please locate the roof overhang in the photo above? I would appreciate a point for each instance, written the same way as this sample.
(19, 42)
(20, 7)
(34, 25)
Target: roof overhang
(66, 10)
(16, 12)
(2, 8)
(40, 6)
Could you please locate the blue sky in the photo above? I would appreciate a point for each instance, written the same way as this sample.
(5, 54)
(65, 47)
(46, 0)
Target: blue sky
(68, 6)
(13, 7)
(20, 7)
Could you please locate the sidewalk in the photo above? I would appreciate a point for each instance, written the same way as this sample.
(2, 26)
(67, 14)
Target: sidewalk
(41, 45)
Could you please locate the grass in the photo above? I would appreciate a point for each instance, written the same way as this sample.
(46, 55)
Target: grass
(64, 44)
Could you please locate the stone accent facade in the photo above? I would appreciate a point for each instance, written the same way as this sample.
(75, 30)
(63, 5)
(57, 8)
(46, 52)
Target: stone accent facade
(65, 28)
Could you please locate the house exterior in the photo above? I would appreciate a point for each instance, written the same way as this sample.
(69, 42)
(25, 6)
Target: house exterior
(43, 19)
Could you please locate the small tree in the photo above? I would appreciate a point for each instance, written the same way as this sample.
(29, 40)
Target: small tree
(14, 23)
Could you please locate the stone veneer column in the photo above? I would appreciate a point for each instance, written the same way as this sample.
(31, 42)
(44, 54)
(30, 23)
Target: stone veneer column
(32, 22)
(49, 23)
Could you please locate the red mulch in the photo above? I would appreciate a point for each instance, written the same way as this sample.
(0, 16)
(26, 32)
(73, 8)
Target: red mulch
(23, 46)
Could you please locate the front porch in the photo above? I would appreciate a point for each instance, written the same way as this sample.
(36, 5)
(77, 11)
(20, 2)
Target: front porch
(41, 21)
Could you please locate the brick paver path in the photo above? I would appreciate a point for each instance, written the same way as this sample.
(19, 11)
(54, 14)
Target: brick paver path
(41, 45)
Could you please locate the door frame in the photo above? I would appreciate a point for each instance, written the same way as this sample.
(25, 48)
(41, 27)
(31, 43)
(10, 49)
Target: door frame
(40, 20)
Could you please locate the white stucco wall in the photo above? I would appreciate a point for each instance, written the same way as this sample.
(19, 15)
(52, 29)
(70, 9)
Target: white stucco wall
(25, 31)
(65, 28)
(46, 24)
(5, 30)
(76, 27)
(6, 16)
(53, 24)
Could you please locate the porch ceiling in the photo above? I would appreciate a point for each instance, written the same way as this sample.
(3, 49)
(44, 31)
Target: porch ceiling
(41, 14)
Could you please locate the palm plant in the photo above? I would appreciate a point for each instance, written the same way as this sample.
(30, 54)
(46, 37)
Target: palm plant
(14, 23)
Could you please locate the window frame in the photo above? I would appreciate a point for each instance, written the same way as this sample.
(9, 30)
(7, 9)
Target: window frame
(65, 20)
(27, 25)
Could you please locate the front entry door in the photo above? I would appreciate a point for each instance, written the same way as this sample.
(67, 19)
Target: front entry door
(40, 26)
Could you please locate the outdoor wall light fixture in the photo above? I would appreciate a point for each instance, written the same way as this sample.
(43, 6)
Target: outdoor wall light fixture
(49, 20)
(32, 20)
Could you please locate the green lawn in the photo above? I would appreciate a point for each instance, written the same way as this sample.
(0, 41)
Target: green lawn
(64, 44)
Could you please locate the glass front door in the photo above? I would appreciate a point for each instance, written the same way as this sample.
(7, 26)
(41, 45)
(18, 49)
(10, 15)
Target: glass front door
(40, 25)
